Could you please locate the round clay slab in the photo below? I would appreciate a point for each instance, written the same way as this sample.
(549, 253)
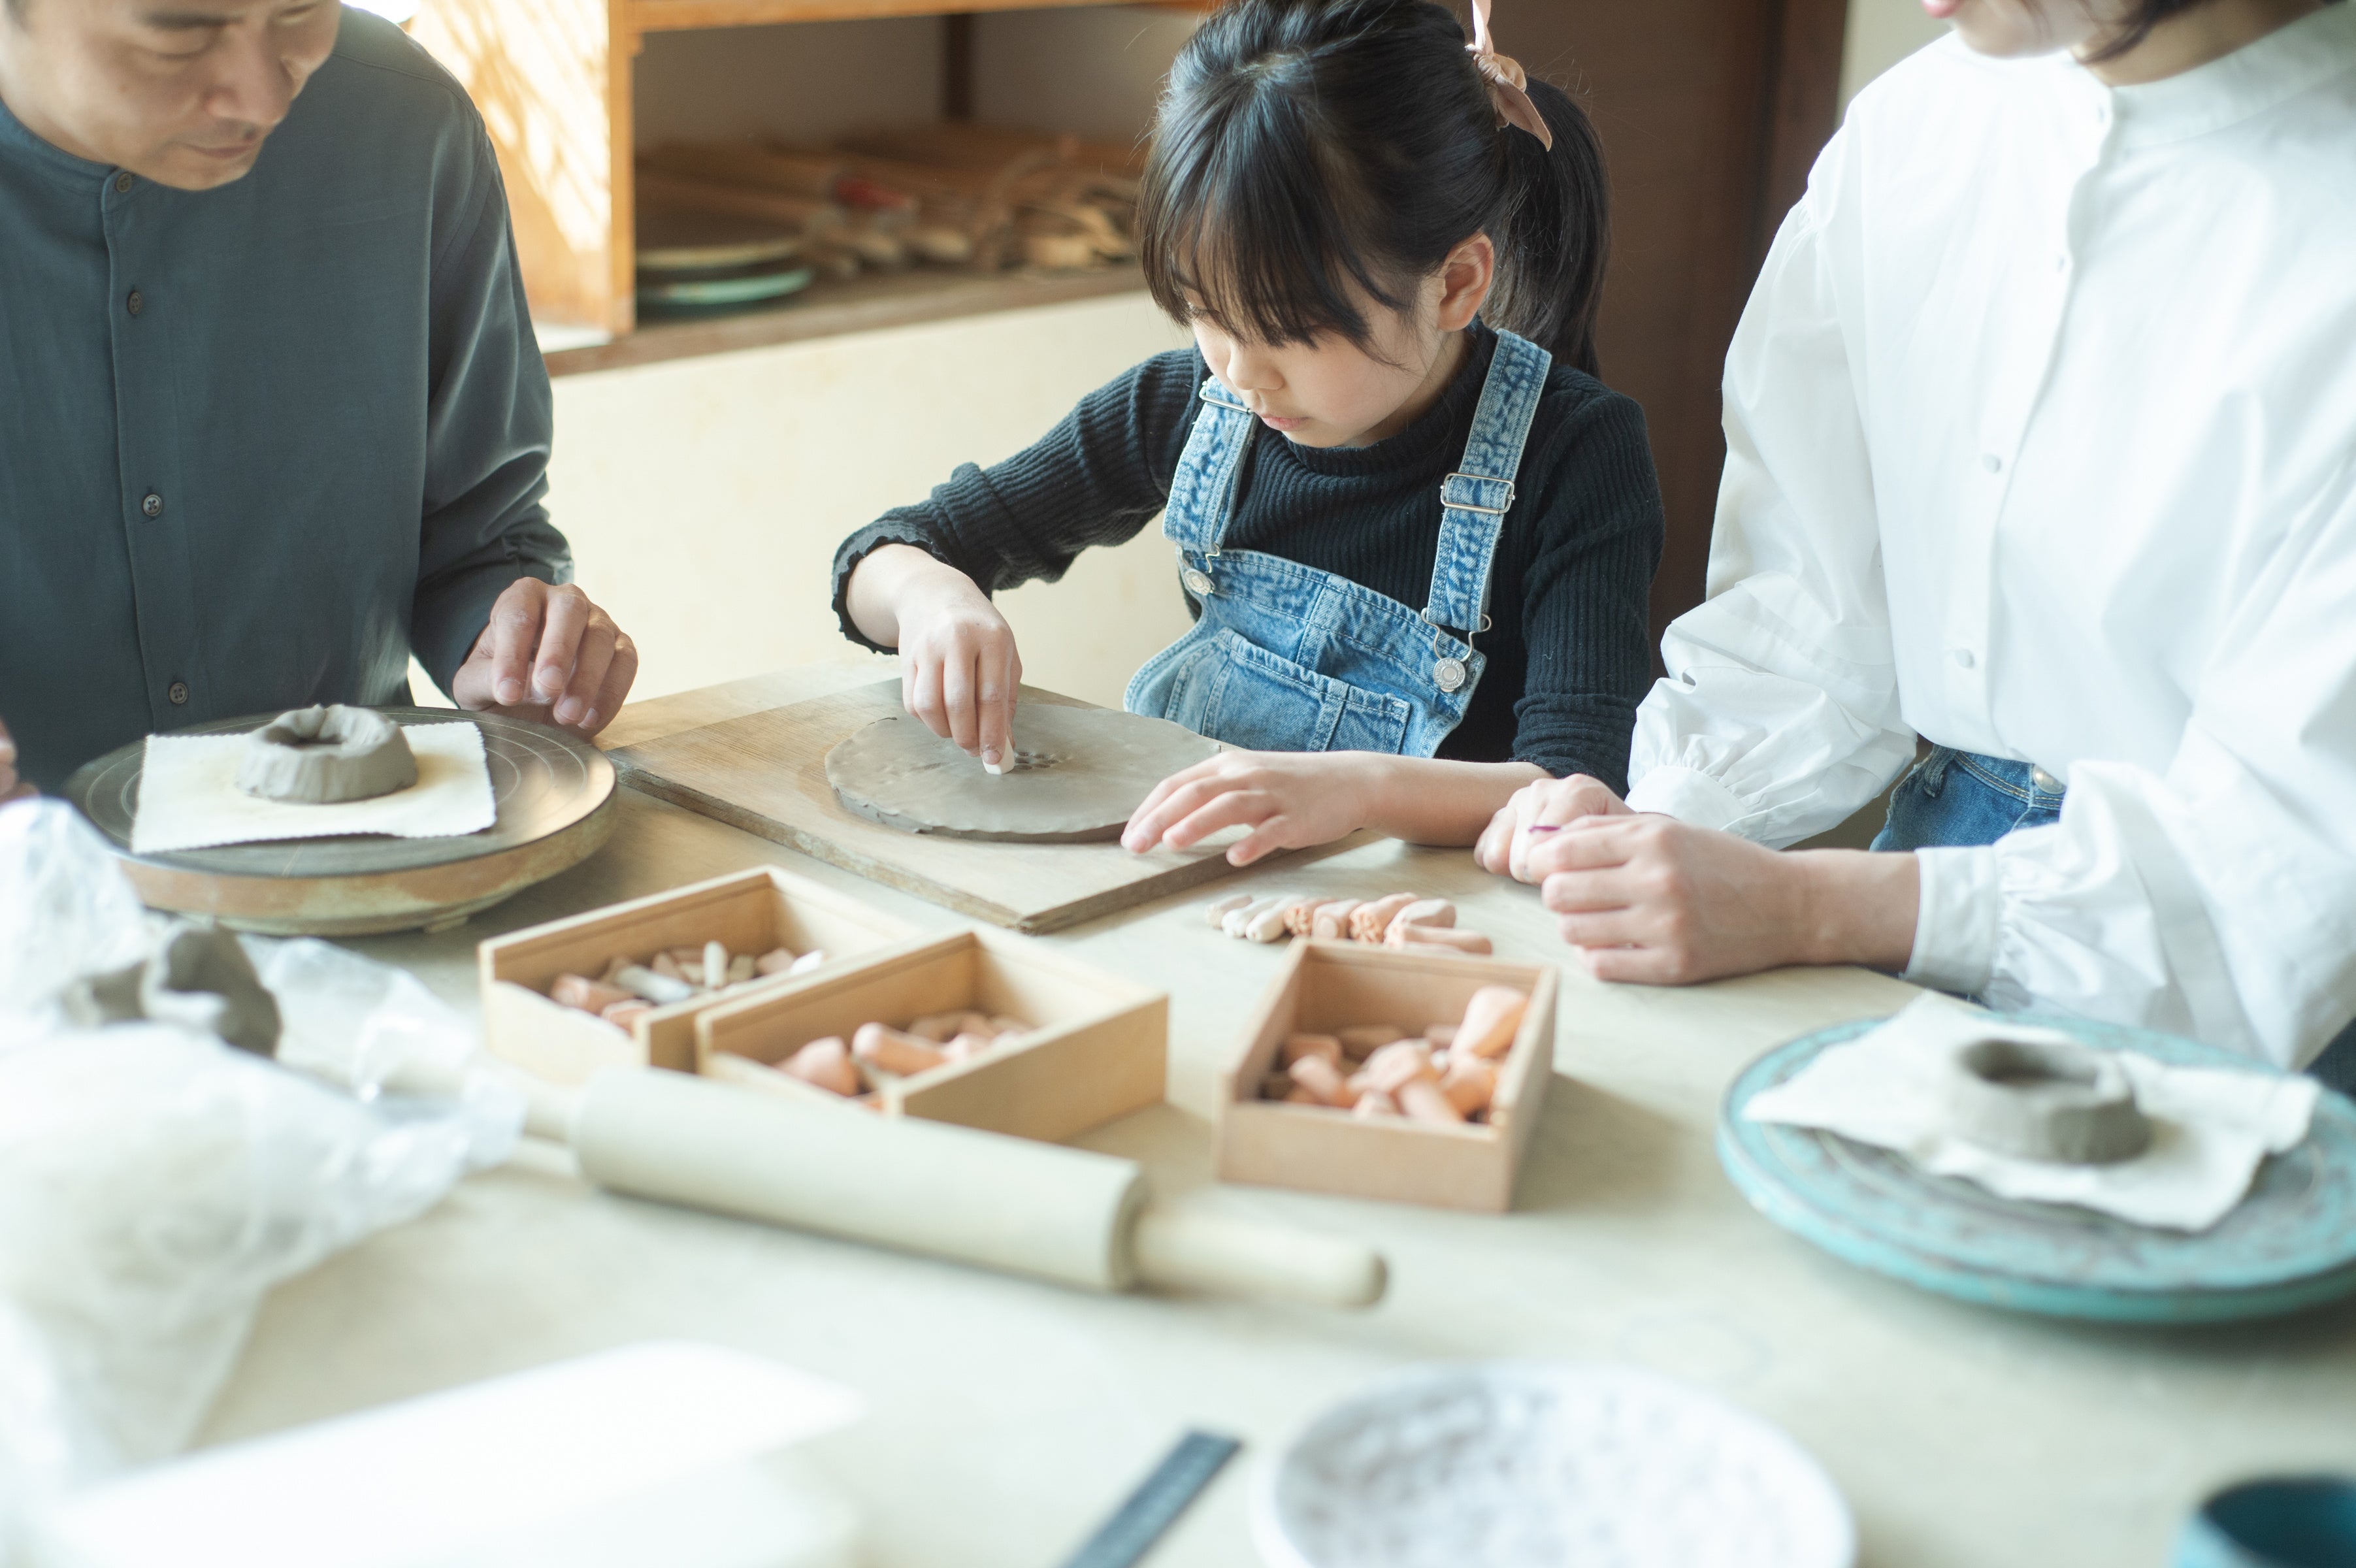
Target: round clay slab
(1078, 774)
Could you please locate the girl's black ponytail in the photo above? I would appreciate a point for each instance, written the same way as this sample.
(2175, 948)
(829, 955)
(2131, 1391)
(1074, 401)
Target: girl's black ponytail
(1308, 152)
(1557, 233)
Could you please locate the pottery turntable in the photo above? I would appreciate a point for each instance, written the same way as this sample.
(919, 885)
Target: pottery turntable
(555, 799)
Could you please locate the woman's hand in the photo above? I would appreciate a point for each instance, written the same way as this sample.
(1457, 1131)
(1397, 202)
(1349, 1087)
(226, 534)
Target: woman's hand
(958, 667)
(1533, 816)
(1290, 800)
(11, 786)
(1656, 901)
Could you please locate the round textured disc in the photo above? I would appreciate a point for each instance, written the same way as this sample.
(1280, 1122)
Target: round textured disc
(554, 794)
(2290, 1244)
(1078, 774)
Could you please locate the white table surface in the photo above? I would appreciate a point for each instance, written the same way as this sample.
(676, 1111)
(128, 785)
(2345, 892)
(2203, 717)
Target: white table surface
(1007, 1417)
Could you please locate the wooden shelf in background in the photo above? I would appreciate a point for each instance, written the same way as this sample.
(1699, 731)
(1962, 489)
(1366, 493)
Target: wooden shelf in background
(676, 16)
(830, 310)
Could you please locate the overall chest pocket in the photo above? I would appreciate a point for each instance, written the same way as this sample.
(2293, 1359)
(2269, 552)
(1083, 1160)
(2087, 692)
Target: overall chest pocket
(1264, 703)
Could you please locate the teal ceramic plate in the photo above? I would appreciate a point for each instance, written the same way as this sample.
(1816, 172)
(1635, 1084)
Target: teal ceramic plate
(2290, 1245)
(707, 292)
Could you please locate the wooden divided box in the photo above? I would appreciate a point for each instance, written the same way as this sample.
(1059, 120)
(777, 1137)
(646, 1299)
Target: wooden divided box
(1097, 1047)
(749, 912)
(1326, 986)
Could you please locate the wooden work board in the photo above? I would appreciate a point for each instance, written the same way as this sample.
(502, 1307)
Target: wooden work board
(765, 773)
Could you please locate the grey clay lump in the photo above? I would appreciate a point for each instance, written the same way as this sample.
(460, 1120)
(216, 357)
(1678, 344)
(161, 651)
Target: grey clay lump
(195, 975)
(2066, 1104)
(319, 756)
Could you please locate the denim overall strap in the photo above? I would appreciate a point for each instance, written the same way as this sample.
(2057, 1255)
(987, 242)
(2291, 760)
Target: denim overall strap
(1474, 499)
(1203, 490)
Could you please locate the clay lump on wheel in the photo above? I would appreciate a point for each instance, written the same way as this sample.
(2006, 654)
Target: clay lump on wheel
(320, 756)
(2066, 1103)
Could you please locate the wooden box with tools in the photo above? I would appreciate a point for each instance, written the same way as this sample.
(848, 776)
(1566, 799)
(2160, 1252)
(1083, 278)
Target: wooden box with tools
(750, 913)
(1093, 1046)
(1330, 989)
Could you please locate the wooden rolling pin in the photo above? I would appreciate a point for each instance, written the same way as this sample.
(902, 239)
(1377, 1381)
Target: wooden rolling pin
(1055, 1213)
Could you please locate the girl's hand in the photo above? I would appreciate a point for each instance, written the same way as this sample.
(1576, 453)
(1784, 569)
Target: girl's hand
(958, 668)
(1535, 814)
(1659, 902)
(1290, 800)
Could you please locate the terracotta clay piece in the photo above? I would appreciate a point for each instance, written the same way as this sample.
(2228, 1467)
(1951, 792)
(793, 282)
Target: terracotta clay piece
(2066, 1104)
(1408, 921)
(319, 756)
(195, 975)
(1384, 1071)
(878, 1051)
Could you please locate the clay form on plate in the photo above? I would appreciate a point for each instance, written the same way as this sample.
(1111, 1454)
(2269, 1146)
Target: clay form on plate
(2065, 1104)
(197, 975)
(1075, 776)
(319, 756)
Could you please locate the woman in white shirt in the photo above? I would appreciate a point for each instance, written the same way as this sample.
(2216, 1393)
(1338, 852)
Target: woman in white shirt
(2042, 429)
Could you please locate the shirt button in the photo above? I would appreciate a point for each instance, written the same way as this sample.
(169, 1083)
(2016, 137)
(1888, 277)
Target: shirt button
(135, 304)
(1449, 674)
(178, 693)
(122, 184)
(1963, 658)
(1197, 583)
(154, 505)
(1991, 461)
(2045, 781)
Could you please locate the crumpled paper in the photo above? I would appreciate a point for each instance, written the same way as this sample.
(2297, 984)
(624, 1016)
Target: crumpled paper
(2211, 1127)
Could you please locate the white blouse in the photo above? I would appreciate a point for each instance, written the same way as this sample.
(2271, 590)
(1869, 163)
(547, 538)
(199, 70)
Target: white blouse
(2043, 444)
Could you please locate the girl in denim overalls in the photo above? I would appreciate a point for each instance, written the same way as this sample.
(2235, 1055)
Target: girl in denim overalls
(1431, 590)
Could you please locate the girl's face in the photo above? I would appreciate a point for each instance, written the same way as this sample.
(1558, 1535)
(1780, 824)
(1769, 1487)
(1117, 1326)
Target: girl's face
(2012, 28)
(1331, 391)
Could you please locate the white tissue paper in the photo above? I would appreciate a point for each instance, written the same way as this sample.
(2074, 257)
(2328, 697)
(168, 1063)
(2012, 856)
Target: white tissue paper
(156, 1182)
(2211, 1126)
(189, 797)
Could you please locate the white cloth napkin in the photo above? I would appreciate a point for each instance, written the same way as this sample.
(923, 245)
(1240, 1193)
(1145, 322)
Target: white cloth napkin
(189, 797)
(2211, 1126)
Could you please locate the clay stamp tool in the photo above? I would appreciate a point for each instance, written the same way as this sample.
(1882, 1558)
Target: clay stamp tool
(1165, 1493)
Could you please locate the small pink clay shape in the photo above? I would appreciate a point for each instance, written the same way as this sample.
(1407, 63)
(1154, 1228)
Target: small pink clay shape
(826, 1063)
(623, 1014)
(1436, 939)
(1374, 1105)
(1368, 922)
(967, 1046)
(881, 1045)
(588, 995)
(1470, 1084)
(777, 961)
(1301, 916)
(1323, 1079)
(1331, 922)
(1425, 912)
(939, 1027)
(1491, 1020)
(1296, 1047)
(1404, 1073)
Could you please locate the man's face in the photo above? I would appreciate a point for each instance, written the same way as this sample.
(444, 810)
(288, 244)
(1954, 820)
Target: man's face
(178, 92)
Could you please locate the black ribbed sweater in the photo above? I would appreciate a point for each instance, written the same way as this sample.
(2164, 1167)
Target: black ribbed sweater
(1569, 655)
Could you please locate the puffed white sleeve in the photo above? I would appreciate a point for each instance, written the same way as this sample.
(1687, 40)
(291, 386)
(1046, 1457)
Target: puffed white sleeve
(1779, 716)
(2217, 900)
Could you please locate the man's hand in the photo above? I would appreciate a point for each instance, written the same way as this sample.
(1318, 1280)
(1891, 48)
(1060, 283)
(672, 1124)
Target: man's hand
(549, 655)
(958, 667)
(11, 786)
(1658, 902)
(1535, 814)
(1290, 800)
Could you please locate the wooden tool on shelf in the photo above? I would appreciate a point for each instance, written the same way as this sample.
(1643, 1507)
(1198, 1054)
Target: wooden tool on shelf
(1066, 1215)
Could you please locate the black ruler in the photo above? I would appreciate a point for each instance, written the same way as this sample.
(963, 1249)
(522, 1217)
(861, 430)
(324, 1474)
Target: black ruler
(1123, 1539)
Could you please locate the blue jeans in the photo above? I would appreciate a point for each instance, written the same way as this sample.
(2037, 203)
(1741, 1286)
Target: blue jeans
(1955, 799)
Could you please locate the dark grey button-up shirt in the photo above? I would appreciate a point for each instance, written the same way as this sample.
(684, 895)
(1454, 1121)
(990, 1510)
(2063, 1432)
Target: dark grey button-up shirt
(259, 443)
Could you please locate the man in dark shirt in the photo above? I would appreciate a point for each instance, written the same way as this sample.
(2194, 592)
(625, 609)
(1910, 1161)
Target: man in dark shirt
(274, 417)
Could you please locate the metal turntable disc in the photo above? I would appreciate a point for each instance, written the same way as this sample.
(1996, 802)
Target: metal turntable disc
(555, 794)
(2290, 1244)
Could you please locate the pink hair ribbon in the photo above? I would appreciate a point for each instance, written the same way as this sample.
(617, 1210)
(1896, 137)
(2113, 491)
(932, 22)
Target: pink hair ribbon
(1508, 83)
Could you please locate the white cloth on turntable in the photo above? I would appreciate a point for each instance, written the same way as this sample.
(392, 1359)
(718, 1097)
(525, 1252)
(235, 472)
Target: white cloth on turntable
(189, 797)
